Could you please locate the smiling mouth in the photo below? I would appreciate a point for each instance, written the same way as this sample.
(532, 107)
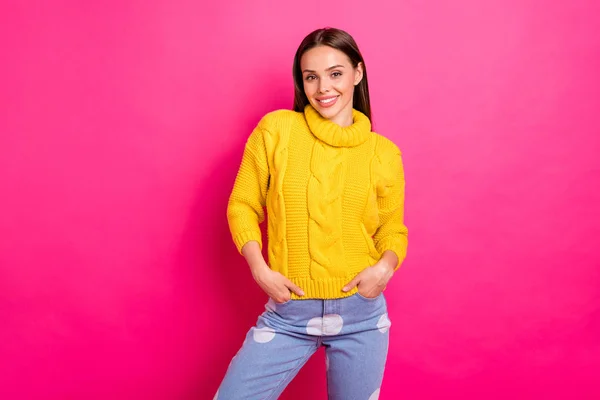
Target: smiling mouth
(328, 102)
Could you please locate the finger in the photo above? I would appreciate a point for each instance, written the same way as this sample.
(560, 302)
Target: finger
(290, 285)
(351, 284)
(284, 297)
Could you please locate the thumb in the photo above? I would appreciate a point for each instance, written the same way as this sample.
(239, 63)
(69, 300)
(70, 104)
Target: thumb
(350, 285)
(290, 285)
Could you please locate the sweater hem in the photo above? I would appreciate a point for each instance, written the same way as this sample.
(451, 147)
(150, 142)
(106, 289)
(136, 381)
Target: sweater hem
(323, 289)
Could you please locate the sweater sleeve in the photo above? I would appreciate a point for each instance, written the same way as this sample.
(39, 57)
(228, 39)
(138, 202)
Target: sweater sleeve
(392, 234)
(245, 209)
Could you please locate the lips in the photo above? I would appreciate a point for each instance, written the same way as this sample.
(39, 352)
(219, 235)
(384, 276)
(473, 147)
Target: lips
(327, 101)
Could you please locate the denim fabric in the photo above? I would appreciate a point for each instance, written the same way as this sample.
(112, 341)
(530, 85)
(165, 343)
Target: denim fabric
(354, 331)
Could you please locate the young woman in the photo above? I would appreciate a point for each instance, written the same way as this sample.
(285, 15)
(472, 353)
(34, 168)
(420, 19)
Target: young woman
(334, 194)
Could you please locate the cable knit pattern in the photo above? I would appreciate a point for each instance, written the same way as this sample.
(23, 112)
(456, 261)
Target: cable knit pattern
(325, 211)
(334, 196)
(276, 144)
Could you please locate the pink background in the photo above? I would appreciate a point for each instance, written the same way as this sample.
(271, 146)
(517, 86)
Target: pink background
(122, 126)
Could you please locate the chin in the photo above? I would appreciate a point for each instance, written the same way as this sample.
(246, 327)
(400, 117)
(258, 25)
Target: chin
(327, 113)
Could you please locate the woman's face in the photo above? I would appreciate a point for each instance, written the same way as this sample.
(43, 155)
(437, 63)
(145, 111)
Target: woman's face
(329, 79)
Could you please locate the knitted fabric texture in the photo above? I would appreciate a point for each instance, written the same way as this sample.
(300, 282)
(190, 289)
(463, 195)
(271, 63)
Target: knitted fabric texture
(334, 198)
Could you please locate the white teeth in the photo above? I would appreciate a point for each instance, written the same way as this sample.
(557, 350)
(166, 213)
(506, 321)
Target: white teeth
(328, 100)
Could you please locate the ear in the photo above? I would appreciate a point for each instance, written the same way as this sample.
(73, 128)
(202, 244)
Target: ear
(358, 73)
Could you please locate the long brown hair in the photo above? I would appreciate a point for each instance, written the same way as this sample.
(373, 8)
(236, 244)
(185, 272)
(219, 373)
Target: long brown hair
(342, 41)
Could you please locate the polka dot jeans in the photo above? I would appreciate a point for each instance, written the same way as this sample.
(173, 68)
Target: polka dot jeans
(353, 330)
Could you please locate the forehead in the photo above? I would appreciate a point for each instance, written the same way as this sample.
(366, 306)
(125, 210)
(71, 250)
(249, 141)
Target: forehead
(322, 57)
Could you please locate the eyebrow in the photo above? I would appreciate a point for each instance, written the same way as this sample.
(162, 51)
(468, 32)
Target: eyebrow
(328, 69)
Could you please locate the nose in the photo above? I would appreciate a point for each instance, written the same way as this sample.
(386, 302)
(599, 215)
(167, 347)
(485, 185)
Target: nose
(323, 86)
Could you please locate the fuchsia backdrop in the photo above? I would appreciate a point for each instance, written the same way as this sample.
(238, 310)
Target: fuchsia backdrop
(122, 127)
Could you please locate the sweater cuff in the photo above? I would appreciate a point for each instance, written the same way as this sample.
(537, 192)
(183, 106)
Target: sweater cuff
(396, 245)
(244, 237)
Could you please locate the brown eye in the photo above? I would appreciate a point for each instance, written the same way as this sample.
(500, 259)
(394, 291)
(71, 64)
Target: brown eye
(336, 74)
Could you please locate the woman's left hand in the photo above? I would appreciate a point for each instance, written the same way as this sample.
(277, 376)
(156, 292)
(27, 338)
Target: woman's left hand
(372, 280)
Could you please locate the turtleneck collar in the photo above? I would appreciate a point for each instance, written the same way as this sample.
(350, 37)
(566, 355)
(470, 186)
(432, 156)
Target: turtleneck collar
(335, 135)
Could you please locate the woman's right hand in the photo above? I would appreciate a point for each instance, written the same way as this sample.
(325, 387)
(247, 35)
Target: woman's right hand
(275, 285)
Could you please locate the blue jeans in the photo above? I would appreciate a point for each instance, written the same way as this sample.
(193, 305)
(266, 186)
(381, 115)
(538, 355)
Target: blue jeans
(354, 331)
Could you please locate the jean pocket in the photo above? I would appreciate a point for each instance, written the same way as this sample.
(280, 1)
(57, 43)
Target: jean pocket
(280, 304)
(273, 306)
(360, 296)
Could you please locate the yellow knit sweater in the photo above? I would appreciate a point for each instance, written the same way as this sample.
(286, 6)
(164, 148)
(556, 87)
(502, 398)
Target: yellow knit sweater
(334, 198)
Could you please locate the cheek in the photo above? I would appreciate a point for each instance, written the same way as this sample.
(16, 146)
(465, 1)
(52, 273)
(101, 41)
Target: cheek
(311, 90)
(307, 89)
(347, 86)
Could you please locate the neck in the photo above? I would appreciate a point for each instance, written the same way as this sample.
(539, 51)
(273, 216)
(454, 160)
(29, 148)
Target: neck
(344, 118)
